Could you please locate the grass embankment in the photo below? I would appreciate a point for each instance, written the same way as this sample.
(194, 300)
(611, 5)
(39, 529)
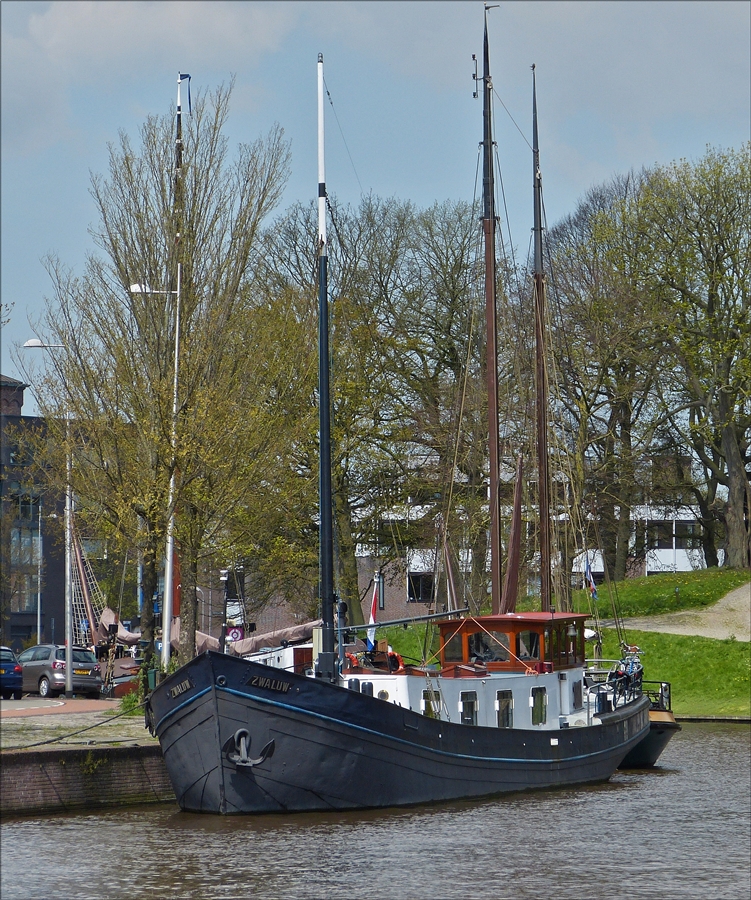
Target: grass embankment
(708, 677)
(657, 594)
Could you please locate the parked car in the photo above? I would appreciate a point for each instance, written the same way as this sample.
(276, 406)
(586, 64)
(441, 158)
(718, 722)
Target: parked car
(11, 677)
(44, 670)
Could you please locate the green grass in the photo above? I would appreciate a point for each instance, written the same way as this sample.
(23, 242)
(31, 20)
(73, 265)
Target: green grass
(655, 594)
(708, 677)
(408, 642)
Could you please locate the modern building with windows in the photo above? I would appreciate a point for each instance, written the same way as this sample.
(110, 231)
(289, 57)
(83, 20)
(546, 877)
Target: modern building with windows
(32, 555)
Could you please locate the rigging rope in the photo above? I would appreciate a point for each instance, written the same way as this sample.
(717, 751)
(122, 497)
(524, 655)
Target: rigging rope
(343, 138)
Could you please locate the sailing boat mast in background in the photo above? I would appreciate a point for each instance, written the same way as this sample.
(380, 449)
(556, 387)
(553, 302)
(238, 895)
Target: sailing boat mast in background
(325, 665)
(540, 367)
(491, 352)
(169, 562)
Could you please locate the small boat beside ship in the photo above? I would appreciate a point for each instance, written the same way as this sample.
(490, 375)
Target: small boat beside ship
(505, 704)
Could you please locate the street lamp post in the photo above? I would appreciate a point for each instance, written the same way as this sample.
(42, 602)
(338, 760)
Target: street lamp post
(39, 573)
(170, 554)
(36, 344)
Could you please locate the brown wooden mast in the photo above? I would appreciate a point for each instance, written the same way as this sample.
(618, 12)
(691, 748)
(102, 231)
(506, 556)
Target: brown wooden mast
(491, 349)
(541, 368)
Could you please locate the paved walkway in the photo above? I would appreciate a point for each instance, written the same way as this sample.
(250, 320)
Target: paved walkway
(730, 616)
(32, 705)
(37, 722)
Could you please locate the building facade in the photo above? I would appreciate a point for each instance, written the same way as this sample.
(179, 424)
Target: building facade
(32, 553)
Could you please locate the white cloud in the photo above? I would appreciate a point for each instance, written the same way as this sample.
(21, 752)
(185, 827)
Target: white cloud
(71, 45)
(632, 60)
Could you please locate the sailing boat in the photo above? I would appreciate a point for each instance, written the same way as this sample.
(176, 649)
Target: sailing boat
(302, 727)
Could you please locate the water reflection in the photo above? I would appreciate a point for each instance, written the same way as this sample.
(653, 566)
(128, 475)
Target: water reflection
(682, 831)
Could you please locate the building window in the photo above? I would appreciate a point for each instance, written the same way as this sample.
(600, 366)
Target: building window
(504, 703)
(687, 535)
(431, 704)
(26, 508)
(24, 546)
(539, 703)
(660, 535)
(468, 707)
(419, 587)
(23, 592)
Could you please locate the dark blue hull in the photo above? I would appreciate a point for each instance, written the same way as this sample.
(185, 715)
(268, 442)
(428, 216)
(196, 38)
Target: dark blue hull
(315, 746)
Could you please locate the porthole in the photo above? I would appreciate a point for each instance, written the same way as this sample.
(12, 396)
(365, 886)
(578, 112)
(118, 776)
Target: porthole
(383, 695)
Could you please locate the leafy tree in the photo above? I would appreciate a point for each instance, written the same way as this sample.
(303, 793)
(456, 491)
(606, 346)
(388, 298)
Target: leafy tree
(116, 363)
(697, 218)
(608, 358)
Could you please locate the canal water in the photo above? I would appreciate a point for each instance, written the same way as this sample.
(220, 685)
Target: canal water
(680, 831)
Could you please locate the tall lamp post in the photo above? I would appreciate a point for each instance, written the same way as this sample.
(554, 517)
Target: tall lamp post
(36, 344)
(170, 554)
(39, 573)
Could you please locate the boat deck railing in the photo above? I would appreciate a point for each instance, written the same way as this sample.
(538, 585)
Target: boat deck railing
(613, 683)
(659, 694)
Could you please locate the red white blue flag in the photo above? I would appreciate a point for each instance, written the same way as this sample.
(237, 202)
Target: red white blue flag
(589, 578)
(371, 621)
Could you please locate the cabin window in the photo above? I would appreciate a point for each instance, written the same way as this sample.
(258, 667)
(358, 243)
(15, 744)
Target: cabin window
(539, 703)
(578, 697)
(468, 707)
(453, 651)
(489, 646)
(528, 645)
(504, 704)
(431, 704)
(419, 587)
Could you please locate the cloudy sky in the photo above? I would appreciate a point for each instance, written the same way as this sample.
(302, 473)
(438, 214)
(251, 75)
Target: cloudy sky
(620, 86)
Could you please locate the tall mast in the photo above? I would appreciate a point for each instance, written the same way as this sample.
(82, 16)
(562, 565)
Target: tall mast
(326, 668)
(491, 351)
(169, 565)
(540, 366)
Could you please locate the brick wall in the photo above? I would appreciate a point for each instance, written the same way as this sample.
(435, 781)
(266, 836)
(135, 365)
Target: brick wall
(56, 780)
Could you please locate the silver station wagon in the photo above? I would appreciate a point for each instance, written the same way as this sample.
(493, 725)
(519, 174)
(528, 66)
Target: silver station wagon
(44, 670)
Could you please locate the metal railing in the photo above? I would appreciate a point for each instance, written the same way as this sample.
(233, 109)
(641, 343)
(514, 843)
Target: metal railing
(660, 696)
(620, 683)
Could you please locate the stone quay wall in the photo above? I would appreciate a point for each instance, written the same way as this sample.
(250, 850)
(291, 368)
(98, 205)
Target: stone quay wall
(62, 779)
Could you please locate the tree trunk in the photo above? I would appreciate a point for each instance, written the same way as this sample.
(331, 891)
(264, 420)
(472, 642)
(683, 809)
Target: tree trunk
(149, 583)
(188, 611)
(346, 561)
(738, 505)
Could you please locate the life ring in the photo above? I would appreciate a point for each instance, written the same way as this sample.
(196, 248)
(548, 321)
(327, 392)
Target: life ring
(396, 663)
